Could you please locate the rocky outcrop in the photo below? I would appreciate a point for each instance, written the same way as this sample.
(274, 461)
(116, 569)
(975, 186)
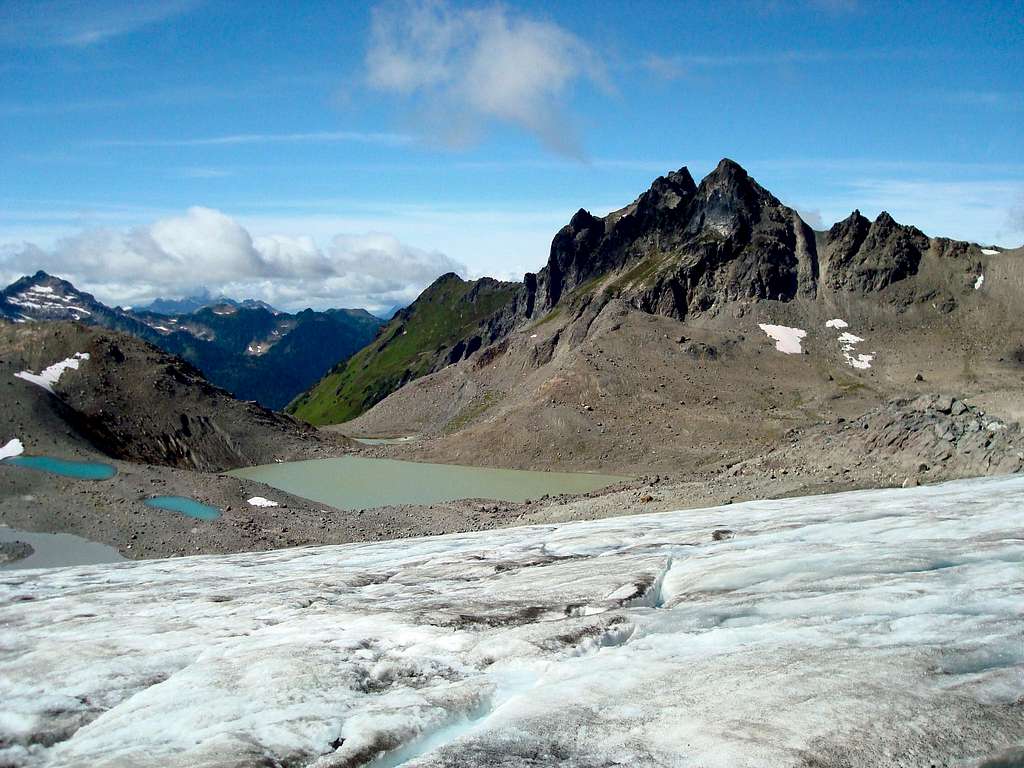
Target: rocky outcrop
(937, 432)
(869, 256)
(680, 248)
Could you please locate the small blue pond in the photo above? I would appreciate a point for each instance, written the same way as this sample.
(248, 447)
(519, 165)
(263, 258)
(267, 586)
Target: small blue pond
(80, 470)
(185, 506)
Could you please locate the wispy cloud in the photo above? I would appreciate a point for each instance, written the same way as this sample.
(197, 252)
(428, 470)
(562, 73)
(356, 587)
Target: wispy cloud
(35, 23)
(984, 99)
(201, 173)
(673, 66)
(314, 137)
(472, 67)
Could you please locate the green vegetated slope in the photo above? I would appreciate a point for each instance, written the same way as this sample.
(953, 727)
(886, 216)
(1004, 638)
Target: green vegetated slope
(414, 343)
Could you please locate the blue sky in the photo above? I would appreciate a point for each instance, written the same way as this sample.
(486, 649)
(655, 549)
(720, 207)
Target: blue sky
(344, 153)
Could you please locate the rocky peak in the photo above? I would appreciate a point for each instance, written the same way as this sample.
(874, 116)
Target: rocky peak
(854, 223)
(582, 220)
(447, 277)
(728, 202)
(44, 297)
(671, 191)
(868, 256)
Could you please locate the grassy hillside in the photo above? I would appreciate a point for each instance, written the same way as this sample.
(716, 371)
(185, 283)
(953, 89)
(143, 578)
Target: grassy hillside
(411, 345)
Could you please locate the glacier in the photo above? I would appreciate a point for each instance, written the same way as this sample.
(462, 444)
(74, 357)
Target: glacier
(871, 628)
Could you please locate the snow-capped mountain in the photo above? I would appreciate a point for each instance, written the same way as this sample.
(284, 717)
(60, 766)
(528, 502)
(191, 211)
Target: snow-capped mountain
(841, 630)
(246, 347)
(45, 297)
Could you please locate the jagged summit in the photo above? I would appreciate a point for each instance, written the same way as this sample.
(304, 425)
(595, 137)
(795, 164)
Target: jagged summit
(688, 246)
(682, 250)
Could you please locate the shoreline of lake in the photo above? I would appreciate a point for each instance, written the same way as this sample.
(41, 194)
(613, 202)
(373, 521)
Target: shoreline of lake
(360, 482)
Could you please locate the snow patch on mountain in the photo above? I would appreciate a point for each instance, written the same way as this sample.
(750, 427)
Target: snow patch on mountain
(51, 374)
(848, 344)
(11, 449)
(786, 339)
(259, 501)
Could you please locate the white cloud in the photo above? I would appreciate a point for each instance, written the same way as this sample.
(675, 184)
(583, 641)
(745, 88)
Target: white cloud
(205, 248)
(473, 67)
(80, 22)
(314, 137)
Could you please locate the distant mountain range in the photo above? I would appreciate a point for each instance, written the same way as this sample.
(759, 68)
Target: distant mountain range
(190, 304)
(247, 347)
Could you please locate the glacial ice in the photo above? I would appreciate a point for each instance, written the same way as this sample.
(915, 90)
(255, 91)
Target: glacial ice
(869, 628)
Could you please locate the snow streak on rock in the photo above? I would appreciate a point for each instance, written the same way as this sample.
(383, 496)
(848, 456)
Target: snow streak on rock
(848, 344)
(795, 632)
(51, 375)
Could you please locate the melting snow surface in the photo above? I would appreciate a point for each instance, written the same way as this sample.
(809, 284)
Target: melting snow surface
(989, 251)
(259, 501)
(848, 343)
(786, 339)
(11, 449)
(856, 625)
(52, 374)
(979, 282)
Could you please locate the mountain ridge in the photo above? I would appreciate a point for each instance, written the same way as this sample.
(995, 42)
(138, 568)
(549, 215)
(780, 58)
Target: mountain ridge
(686, 251)
(407, 347)
(246, 347)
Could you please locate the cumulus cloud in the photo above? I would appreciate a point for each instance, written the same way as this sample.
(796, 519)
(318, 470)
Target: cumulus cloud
(469, 68)
(207, 249)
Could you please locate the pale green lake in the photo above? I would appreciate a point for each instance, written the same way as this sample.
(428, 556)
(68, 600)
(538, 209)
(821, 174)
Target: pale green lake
(357, 482)
(56, 550)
